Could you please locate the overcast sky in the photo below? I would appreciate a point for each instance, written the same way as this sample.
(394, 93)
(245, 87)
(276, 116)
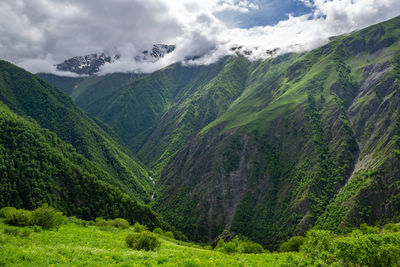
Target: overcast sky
(36, 34)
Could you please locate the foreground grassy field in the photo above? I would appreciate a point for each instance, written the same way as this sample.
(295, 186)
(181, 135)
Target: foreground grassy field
(72, 245)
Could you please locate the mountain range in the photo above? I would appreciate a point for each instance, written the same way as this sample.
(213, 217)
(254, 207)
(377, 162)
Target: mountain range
(91, 64)
(265, 148)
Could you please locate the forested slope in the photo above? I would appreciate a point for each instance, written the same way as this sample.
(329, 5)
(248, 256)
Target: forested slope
(29, 96)
(37, 167)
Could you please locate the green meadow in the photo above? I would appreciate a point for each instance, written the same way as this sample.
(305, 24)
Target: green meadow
(75, 245)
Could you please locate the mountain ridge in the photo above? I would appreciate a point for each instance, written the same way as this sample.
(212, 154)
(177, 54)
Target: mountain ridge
(92, 63)
(269, 149)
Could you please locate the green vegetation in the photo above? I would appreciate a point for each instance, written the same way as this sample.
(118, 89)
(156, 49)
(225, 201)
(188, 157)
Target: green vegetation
(236, 245)
(118, 223)
(309, 142)
(298, 145)
(293, 244)
(46, 217)
(73, 244)
(39, 168)
(35, 99)
(143, 241)
(81, 243)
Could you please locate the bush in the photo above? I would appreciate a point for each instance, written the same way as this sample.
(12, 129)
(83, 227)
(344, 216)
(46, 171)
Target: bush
(138, 228)
(293, 244)
(119, 223)
(143, 241)
(6, 210)
(368, 250)
(101, 222)
(169, 234)
(47, 217)
(250, 247)
(238, 246)
(391, 227)
(318, 245)
(158, 230)
(18, 217)
(367, 230)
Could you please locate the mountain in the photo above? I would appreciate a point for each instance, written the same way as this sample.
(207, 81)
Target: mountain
(310, 142)
(33, 98)
(269, 148)
(91, 64)
(85, 65)
(37, 167)
(158, 51)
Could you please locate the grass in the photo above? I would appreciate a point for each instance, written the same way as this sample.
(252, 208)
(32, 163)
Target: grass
(96, 246)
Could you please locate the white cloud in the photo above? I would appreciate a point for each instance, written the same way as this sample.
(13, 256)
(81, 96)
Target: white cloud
(36, 34)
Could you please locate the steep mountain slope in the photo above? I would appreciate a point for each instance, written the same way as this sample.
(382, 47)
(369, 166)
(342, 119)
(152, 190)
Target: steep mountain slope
(135, 110)
(37, 167)
(31, 97)
(270, 148)
(86, 91)
(310, 141)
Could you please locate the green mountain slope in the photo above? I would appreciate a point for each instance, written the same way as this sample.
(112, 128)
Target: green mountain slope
(37, 167)
(310, 142)
(270, 148)
(29, 96)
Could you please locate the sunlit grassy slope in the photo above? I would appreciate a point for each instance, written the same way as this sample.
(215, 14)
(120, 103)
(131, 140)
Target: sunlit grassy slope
(74, 245)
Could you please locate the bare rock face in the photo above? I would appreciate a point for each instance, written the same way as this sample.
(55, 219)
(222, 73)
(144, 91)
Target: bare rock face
(91, 64)
(86, 65)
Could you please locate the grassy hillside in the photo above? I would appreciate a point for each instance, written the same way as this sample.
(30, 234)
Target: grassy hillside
(29, 96)
(76, 243)
(94, 246)
(37, 167)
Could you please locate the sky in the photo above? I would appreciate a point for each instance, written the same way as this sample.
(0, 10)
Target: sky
(37, 34)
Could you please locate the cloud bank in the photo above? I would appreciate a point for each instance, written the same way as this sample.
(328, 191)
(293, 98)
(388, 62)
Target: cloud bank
(36, 34)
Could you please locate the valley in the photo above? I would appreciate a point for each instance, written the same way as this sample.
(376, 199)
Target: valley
(297, 145)
(268, 149)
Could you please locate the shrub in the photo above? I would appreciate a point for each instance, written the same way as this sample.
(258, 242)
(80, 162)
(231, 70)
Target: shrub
(318, 245)
(142, 241)
(389, 255)
(78, 221)
(368, 250)
(169, 234)
(119, 223)
(228, 247)
(101, 222)
(47, 217)
(18, 217)
(367, 230)
(250, 247)
(391, 227)
(158, 230)
(6, 210)
(293, 244)
(138, 228)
